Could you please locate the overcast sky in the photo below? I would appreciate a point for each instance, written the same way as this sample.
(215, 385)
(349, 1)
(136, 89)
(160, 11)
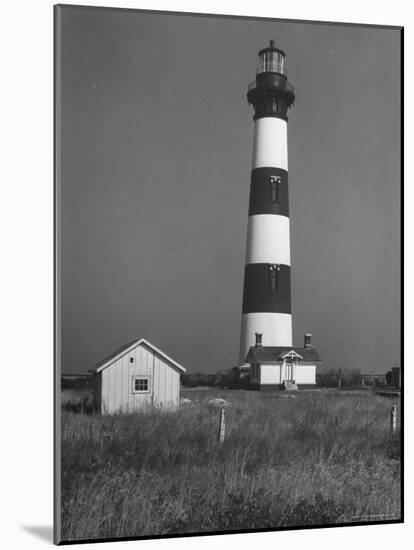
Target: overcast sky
(156, 148)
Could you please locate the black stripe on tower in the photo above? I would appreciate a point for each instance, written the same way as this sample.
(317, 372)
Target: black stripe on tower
(267, 288)
(269, 192)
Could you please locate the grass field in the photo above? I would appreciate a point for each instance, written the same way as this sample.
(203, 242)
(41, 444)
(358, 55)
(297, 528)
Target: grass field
(319, 458)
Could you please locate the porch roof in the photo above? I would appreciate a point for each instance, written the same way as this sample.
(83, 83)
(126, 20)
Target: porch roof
(260, 354)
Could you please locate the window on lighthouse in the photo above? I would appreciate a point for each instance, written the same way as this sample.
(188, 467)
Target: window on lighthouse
(274, 271)
(274, 188)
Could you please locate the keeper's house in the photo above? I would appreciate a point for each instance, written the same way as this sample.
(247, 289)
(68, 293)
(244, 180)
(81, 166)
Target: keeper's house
(136, 376)
(274, 367)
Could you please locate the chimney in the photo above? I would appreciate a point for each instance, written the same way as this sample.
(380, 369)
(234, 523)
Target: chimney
(308, 340)
(258, 340)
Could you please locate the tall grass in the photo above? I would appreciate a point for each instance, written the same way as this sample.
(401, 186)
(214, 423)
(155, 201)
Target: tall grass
(321, 458)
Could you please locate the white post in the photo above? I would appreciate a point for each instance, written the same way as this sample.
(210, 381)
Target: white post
(393, 419)
(222, 428)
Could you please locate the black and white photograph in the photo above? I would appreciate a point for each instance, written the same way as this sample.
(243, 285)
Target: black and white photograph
(228, 267)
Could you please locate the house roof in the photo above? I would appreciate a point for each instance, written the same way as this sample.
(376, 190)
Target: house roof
(260, 354)
(126, 348)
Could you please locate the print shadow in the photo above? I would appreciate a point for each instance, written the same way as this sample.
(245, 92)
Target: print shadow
(43, 532)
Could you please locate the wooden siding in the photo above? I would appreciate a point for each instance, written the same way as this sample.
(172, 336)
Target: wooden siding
(117, 382)
(306, 374)
(275, 373)
(270, 374)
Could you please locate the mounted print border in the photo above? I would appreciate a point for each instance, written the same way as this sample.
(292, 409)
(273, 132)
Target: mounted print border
(228, 274)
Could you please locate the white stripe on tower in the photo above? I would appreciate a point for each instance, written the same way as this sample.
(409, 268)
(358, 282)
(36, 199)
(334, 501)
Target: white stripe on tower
(268, 239)
(266, 295)
(277, 325)
(270, 143)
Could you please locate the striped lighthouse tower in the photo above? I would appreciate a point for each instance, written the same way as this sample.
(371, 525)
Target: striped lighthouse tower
(266, 294)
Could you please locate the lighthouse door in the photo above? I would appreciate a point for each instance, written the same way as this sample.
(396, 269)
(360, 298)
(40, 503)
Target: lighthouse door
(287, 371)
(290, 366)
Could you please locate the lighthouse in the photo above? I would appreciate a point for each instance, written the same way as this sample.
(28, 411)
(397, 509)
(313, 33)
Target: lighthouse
(266, 307)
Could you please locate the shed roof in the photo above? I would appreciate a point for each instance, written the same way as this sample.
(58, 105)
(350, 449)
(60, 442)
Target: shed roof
(258, 354)
(126, 348)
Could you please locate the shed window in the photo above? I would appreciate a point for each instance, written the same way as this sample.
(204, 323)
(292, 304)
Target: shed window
(140, 384)
(274, 271)
(274, 182)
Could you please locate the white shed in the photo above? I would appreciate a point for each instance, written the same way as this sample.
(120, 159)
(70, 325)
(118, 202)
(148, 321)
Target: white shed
(136, 376)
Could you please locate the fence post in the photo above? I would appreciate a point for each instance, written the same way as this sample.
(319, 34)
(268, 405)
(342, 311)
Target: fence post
(393, 419)
(222, 426)
(104, 439)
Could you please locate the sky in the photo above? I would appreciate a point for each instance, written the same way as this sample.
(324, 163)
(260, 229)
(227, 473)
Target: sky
(155, 138)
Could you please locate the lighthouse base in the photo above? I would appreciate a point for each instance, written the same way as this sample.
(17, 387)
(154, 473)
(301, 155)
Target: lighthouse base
(276, 329)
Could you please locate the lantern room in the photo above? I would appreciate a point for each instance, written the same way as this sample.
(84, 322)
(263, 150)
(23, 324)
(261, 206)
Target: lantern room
(271, 60)
(271, 94)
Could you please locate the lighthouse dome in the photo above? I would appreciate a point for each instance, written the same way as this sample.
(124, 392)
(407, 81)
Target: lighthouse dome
(271, 60)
